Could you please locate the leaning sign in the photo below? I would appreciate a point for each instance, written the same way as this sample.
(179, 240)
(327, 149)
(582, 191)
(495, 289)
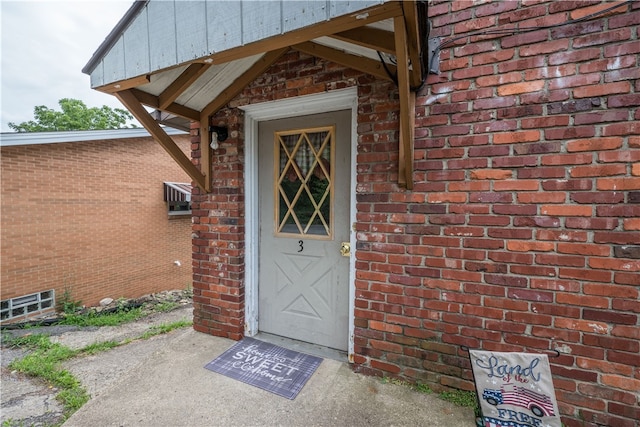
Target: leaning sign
(514, 389)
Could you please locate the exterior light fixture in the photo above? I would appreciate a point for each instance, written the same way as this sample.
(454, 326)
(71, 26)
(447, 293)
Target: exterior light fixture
(218, 134)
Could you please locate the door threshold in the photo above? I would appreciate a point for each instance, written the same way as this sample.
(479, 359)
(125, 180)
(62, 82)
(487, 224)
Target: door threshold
(303, 347)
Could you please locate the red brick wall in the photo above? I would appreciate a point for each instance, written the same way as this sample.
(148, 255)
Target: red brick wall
(218, 242)
(529, 167)
(522, 232)
(90, 217)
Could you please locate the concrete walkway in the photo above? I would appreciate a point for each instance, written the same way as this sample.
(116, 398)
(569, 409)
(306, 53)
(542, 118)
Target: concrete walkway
(169, 386)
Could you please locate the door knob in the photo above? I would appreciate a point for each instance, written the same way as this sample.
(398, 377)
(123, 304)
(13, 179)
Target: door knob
(345, 249)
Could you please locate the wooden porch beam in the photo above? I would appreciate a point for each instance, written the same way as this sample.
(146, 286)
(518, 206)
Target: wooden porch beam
(241, 82)
(359, 63)
(413, 41)
(132, 103)
(407, 107)
(176, 109)
(125, 84)
(179, 85)
(372, 38)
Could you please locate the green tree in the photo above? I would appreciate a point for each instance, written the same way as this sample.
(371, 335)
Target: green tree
(75, 115)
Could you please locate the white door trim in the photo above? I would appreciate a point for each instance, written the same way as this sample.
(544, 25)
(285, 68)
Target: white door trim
(336, 100)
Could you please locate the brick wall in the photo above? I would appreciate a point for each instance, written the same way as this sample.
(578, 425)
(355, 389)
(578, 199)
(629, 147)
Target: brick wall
(218, 242)
(90, 217)
(522, 232)
(529, 164)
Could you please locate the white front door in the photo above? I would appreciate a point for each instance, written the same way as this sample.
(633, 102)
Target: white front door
(304, 172)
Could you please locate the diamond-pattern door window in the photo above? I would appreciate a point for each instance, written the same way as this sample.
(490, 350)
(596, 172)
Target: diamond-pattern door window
(304, 182)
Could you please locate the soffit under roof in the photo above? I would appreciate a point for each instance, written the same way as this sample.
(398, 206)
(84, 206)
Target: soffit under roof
(208, 86)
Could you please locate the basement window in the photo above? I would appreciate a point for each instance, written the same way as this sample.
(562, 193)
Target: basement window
(27, 305)
(177, 195)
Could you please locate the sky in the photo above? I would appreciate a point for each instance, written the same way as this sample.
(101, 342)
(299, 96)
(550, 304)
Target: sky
(44, 46)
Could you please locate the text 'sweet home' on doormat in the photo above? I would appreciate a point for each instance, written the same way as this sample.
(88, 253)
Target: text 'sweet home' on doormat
(267, 366)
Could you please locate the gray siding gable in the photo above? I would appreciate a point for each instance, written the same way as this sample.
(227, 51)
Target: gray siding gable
(165, 33)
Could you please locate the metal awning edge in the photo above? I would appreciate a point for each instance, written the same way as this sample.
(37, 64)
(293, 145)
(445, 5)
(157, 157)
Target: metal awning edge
(177, 191)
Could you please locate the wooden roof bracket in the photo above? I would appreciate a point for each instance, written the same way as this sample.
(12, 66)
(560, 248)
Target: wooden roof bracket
(223, 99)
(182, 83)
(261, 65)
(359, 63)
(132, 104)
(407, 105)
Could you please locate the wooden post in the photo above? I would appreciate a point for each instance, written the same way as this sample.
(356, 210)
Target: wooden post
(407, 106)
(205, 150)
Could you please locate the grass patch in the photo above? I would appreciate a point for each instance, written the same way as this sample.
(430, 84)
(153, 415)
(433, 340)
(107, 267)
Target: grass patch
(165, 306)
(44, 362)
(73, 399)
(165, 328)
(420, 387)
(423, 388)
(109, 319)
(99, 347)
(467, 399)
(30, 342)
(463, 398)
(394, 381)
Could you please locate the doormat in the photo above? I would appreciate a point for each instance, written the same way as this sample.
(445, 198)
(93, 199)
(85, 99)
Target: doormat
(266, 366)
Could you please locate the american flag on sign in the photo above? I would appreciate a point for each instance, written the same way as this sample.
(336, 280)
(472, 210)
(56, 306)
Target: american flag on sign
(494, 422)
(540, 404)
